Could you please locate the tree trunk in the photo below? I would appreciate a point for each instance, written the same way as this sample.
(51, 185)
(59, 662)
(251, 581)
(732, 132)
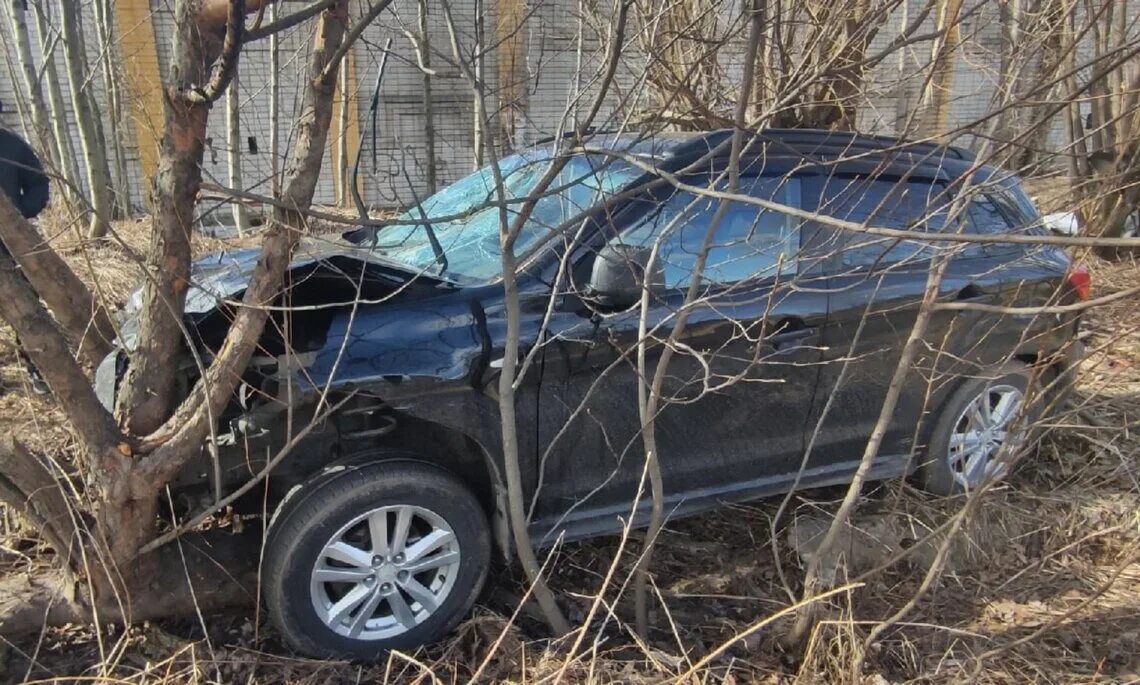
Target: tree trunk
(512, 74)
(125, 477)
(44, 136)
(429, 109)
(30, 488)
(274, 104)
(846, 35)
(233, 154)
(84, 319)
(47, 346)
(343, 195)
(479, 128)
(68, 166)
(111, 80)
(87, 121)
(814, 583)
(147, 396)
(936, 100)
(211, 571)
(179, 438)
(189, 426)
(649, 392)
(902, 94)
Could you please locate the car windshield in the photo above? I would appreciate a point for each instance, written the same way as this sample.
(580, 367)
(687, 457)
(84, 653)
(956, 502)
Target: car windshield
(471, 244)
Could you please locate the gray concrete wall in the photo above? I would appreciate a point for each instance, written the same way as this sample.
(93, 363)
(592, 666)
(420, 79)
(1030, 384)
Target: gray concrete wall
(551, 48)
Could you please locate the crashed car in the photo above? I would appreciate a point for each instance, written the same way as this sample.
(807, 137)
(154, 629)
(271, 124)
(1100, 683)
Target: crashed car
(388, 343)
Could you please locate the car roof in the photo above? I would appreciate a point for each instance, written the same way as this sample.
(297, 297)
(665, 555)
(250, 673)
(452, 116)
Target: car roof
(778, 150)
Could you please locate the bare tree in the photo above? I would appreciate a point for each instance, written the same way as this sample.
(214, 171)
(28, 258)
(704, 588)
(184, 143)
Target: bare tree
(703, 63)
(511, 70)
(66, 157)
(44, 135)
(1105, 164)
(125, 472)
(343, 188)
(233, 153)
(429, 106)
(88, 121)
(274, 103)
(936, 96)
(112, 87)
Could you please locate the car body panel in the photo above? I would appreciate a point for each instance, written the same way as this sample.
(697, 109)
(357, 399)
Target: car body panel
(432, 349)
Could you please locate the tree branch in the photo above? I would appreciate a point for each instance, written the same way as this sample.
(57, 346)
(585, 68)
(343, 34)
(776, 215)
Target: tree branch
(213, 13)
(349, 39)
(46, 345)
(31, 491)
(82, 317)
(224, 68)
(287, 22)
(191, 424)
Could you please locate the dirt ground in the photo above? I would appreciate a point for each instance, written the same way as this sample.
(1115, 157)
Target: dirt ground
(1045, 586)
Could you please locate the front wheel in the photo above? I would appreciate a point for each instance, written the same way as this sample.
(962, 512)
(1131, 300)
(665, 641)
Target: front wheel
(982, 430)
(382, 556)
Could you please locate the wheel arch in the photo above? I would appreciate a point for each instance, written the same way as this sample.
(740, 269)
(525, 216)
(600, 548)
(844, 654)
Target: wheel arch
(473, 466)
(437, 441)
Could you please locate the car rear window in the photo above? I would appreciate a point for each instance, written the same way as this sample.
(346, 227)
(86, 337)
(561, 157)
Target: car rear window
(1018, 207)
(915, 205)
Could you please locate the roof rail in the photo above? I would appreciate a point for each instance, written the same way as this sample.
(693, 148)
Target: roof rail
(567, 134)
(808, 141)
(844, 140)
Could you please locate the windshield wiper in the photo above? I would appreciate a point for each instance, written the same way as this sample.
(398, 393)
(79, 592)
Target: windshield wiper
(436, 248)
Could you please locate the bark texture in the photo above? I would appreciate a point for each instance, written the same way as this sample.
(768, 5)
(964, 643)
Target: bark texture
(47, 346)
(211, 571)
(29, 487)
(41, 122)
(147, 397)
(68, 166)
(87, 119)
(84, 319)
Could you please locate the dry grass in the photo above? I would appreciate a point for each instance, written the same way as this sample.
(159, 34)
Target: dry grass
(1045, 585)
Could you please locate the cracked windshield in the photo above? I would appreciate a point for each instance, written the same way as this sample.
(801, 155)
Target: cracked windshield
(469, 243)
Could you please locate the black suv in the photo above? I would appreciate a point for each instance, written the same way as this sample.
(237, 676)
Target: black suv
(390, 507)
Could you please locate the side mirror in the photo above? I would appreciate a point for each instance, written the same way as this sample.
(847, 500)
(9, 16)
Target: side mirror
(619, 274)
(1102, 162)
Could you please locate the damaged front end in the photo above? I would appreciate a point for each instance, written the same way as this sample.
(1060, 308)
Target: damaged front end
(303, 364)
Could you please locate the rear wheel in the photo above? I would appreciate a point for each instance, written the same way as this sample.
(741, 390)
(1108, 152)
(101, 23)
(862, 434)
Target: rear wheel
(376, 557)
(982, 430)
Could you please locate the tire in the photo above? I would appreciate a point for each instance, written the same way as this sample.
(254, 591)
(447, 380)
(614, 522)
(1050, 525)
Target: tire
(948, 468)
(374, 593)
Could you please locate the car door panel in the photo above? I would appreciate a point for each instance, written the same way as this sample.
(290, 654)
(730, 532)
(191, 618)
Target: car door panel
(738, 393)
(875, 293)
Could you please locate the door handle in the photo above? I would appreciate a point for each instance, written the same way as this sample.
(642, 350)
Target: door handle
(971, 293)
(783, 341)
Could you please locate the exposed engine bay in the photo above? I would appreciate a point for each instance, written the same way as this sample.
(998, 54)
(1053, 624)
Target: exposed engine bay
(277, 401)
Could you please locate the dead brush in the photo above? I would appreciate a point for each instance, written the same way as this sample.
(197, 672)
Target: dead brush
(1041, 584)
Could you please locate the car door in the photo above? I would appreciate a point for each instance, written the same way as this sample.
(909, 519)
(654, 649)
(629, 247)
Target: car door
(875, 288)
(737, 392)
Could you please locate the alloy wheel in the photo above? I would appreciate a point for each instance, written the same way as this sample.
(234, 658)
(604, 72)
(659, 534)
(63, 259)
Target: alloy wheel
(984, 436)
(385, 572)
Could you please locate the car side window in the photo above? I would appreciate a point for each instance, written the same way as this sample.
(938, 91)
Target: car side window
(1017, 206)
(918, 205)
(749, 242)
(985, 218)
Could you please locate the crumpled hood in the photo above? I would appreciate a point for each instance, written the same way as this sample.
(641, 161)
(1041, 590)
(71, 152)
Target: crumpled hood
(225, 275)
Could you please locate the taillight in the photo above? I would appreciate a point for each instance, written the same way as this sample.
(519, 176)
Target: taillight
(1081, 282)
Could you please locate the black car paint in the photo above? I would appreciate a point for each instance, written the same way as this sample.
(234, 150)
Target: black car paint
(430, 350)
